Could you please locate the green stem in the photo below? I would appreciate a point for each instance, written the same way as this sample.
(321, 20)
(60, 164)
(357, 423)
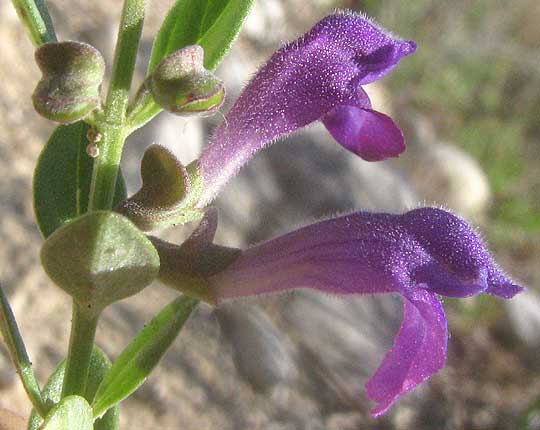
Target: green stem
(106, 166)
(104, 176)
(81, 343)
(125, 55)
(35, 17)
(19, 356)
(114, 133)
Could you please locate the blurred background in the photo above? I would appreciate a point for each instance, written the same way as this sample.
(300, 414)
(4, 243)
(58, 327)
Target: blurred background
(469, 104)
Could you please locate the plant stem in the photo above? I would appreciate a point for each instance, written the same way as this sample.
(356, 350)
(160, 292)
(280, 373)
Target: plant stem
(81, 343)
(104, 176)
(35, 17)
(19, 356)
(106, 165)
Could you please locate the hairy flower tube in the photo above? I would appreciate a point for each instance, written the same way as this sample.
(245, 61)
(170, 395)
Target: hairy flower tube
(317, 77)
(420, 254)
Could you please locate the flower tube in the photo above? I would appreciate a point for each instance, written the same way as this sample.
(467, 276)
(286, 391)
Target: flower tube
(420, 254)
(317, 77)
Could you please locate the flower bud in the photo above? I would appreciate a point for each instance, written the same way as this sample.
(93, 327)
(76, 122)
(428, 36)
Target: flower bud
(72, 75)
(168, 194)
(181, 85)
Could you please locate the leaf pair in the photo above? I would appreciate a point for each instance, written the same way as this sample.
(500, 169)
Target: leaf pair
(74, 412)
(97, 258)
(62, 178)
(109, 385)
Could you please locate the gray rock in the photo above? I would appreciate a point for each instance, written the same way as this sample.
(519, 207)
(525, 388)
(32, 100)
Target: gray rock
(444, 174)
(308, 177)
(261, 353)
(524, 313)
(341, 341)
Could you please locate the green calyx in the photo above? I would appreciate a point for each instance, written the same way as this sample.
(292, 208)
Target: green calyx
(72, 73)
(188, 267)
(181, 85)
(99, 258)
(169, 193)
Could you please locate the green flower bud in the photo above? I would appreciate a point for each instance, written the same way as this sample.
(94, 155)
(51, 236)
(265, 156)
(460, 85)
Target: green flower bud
(72, 75)
(181, 85)
(168, 194)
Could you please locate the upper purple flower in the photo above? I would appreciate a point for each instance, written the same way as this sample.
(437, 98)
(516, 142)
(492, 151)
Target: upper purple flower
(317, 77)
(419, 254)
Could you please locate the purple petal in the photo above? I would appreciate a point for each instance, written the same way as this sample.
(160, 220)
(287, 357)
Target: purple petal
(356, 254)
(458, 248)
(382, 60)
(419, 351)
(300, 83)
(438, 279)
(364, 253)
(419, 254)
(370, 134)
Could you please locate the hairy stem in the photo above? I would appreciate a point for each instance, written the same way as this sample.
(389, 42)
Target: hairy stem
(104, 176)
(35, 17)
(83, 330)
(107, 164)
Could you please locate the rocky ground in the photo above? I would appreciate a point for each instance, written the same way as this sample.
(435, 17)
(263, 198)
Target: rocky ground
(293, 362)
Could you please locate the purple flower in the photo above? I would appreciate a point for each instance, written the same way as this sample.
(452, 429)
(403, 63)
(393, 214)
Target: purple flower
(419, 255)
(317, 77)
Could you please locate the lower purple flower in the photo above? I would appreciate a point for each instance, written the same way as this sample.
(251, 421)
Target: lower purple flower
(419, 254)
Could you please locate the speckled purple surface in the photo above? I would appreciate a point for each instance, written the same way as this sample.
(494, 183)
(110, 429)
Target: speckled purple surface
(302, 83)
(419, 254)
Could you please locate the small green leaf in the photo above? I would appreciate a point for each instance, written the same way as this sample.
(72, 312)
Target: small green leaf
(52, 393)
(72, 413)
(99, 258)
(19, 356)
(140, 357)
(62, 178)
(213, 24)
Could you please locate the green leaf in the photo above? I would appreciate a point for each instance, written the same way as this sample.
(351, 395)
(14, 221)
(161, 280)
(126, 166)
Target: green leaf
(99, 258)
(62, 178)
(140, 357)
(213, 24)
(52, 393)
(19, 356)
(73, 412)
